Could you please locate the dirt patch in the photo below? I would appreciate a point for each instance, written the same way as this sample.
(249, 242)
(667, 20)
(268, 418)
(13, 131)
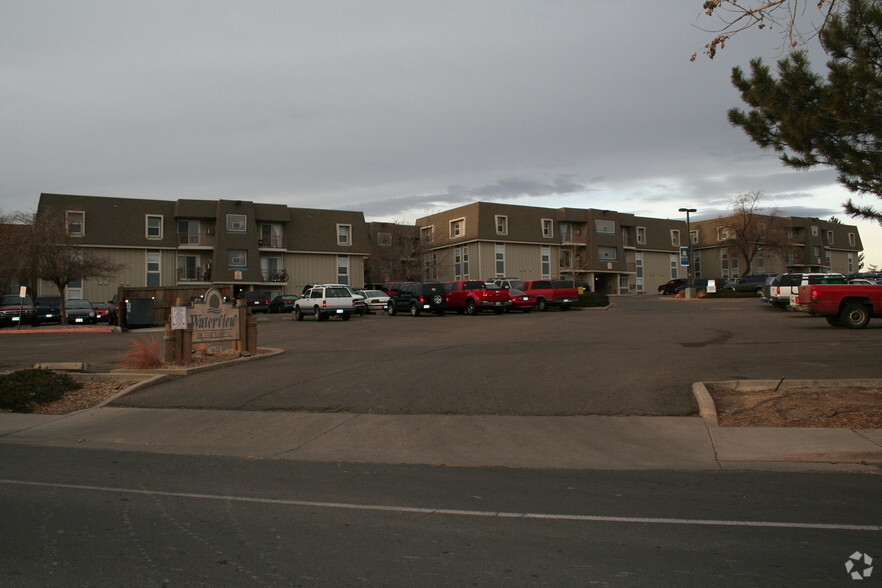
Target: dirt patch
(92, 393)
(833, 407)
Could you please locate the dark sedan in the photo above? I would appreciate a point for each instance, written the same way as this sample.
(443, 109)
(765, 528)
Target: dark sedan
(79, 311)
(283, 303)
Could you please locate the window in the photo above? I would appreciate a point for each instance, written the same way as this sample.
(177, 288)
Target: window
(154, 226)
(384, 239)
(427, 234)
(566, 259)
(237, 258)
(153, 269)
(76, 223)
(693, 237)
(188, 232)
(501, 225)
(760, 261)
(851, 240)
(641, 235)
(814, 231)
(461, 262)
(566, 232)
(545, 261)
(500, 260)
(696, 264)
(608, 253)
(829, 237)
(675, 238)
(605, 226)
(271, 235)
(724, 233)
(75, 289)
(674, 260)
(188, 267)
(342, 269)
(430, 260)
(850, 263)
(237, 223)
(816, 252)
(724, 261)
(344, 234)
(457, 228)
(547, 228)
(638, 265)
(271, 269)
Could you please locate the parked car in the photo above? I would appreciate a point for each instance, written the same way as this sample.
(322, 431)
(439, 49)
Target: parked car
(768, 286)
(752, 283)
(701, 284)
(560, 293)
(79, 311)
(357, 299)
(283, 303)
(521, 301)
(257, 301)
(849, 306)
(473, 296)
(375, 300)
(102, 312)
(785, 293)
(323, 302)
(670, 287)
(15, 310)
(418, 297)
(48, 309)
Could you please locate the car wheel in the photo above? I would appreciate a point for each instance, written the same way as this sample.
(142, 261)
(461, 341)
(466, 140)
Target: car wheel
(542, 305)
(298, 314)
(345, 316)
(414, 309)
(471, 308)
(854, 316)
(317, 313)
(390, 308)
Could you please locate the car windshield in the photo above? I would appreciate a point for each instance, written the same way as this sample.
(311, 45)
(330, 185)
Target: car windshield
(337, 293)
(371, 293)
(78, 304)
(515, 292)
(48, 300)
(11, 300)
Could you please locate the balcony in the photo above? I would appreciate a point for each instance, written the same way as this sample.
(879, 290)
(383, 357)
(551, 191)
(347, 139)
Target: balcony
(197, 274)
(271, 242)
(196, 239)
(274, 275)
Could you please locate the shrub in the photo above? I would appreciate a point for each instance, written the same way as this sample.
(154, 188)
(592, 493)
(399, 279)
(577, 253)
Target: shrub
(22, 390)
(593, 299)
(142, 355)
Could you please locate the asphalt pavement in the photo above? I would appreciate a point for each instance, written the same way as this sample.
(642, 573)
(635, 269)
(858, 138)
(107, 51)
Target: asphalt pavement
(568, 441)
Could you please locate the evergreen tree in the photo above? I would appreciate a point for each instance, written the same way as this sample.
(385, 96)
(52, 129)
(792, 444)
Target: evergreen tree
(838, 121)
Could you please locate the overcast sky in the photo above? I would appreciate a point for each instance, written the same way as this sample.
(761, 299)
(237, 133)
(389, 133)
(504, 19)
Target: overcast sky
(397, 108)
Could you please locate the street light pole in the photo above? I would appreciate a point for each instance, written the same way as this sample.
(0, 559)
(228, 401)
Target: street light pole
(688, 247)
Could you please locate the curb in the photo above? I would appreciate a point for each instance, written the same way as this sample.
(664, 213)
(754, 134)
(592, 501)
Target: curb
(185, 371)
(61, 330)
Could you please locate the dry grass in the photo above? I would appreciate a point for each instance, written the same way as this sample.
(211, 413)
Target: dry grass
(144, 354)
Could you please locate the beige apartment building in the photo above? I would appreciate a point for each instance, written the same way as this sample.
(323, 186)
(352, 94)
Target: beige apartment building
(247, 245)
(612, 252)
(803, 244)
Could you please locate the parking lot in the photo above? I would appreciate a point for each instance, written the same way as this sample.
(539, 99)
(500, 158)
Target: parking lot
(639, 357)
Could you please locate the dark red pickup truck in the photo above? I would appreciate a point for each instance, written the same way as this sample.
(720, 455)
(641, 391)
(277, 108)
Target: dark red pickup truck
(842, 305)
(473, 296)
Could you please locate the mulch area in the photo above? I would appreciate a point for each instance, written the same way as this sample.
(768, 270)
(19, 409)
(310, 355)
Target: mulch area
(834, 407)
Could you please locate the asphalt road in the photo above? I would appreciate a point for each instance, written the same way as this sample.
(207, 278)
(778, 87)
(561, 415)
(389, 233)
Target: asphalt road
(640, 357)
(79, 517)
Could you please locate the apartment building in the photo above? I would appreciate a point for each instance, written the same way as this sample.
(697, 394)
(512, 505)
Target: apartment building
(613, 252)
(798, 244)
(247, 245)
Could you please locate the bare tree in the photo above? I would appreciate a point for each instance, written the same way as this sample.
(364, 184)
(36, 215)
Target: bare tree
(52, 255)
(787, 16)
(14, 231)
(748, 231)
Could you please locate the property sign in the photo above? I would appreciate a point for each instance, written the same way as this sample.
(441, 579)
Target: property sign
(178, 318)
(684, 256)
(214, 320)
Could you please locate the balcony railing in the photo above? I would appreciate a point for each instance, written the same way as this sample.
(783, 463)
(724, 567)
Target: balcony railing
(196, 239)
(198, 274)
(274, 275)
(272, 242)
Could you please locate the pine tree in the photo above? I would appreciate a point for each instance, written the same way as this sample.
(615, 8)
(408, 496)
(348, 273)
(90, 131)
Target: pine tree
(837, 122)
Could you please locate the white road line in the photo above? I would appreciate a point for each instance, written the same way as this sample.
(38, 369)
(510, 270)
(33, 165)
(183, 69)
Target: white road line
(454, 512)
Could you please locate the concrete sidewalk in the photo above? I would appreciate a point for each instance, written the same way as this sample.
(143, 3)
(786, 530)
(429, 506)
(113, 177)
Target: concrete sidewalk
(589, 442)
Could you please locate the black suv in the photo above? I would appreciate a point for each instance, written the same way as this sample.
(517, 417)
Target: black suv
(48, 309)
(417, 297)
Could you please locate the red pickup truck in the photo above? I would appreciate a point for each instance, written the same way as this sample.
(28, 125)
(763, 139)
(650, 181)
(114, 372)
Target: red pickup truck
(843, 305)
(473, 296)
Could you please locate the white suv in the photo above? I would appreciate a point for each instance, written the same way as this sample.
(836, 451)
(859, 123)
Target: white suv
(360, 306)
(784, 294)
